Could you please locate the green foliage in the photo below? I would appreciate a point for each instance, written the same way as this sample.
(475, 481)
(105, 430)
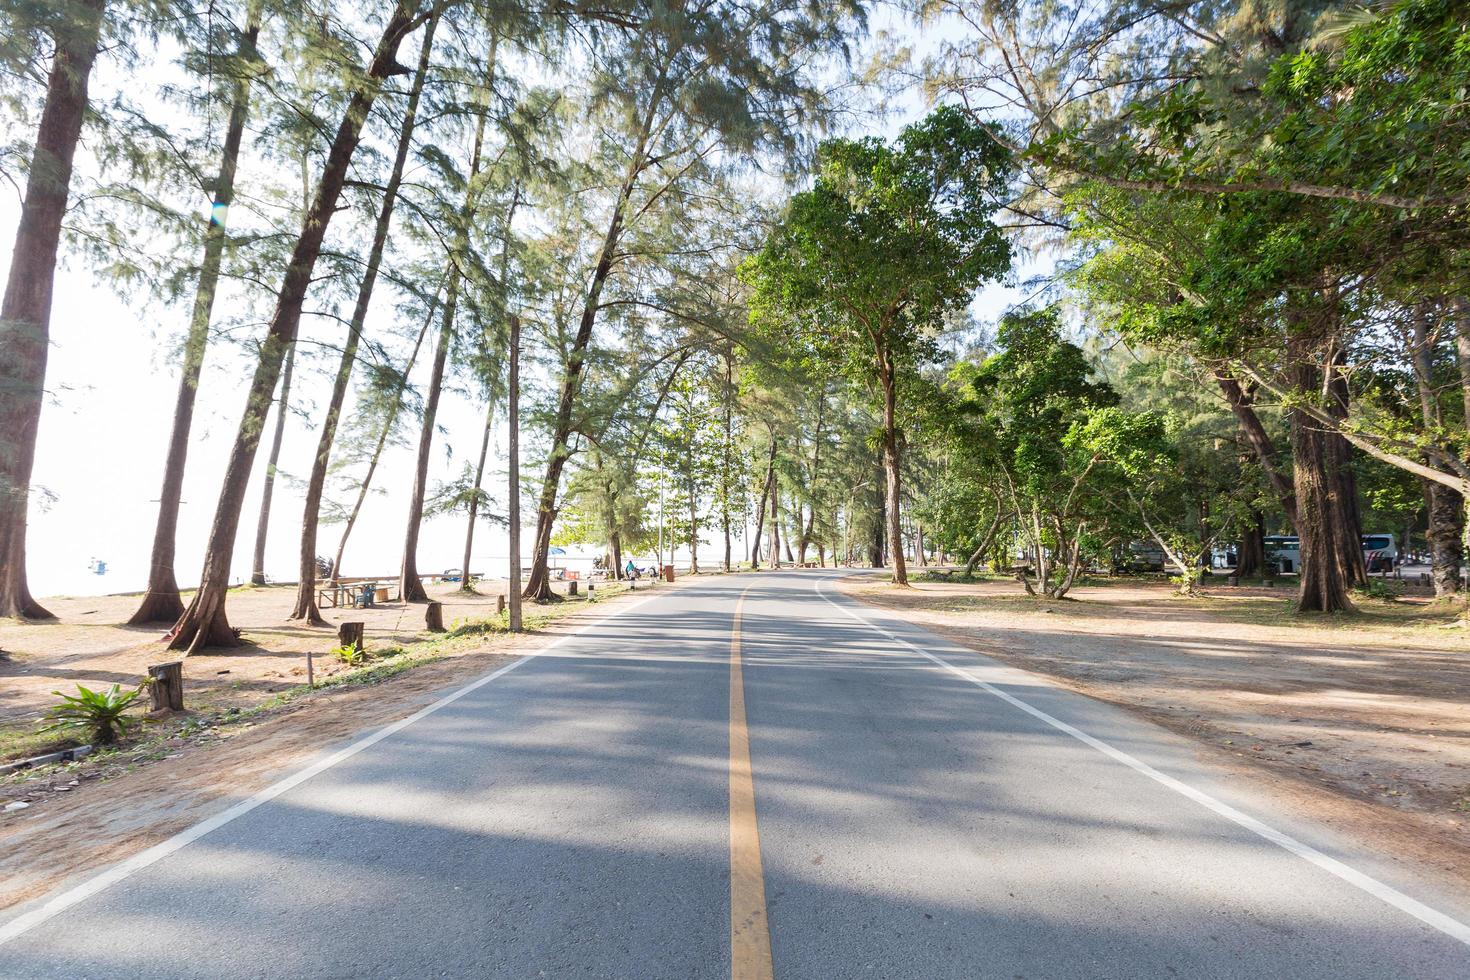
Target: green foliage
(102, 714)
(350, 654)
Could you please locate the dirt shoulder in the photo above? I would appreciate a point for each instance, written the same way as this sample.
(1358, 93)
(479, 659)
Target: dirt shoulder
(239, 737)
(1360, 722)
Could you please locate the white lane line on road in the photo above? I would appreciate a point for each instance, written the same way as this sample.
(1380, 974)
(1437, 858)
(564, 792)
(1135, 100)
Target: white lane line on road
(1434, 918)
(23, 923)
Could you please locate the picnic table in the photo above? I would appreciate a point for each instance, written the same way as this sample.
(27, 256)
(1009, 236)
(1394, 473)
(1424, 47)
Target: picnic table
(358, 595)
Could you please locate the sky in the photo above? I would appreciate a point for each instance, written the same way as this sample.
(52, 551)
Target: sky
(112, 378)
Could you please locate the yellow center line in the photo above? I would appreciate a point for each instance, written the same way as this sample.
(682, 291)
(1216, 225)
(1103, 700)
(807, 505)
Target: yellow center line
(750, 936)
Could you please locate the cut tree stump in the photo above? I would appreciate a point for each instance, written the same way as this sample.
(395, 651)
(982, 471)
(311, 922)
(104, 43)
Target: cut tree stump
(499, 605)
(168, 685)
(434, 617)
(572, 587)
(350, 635)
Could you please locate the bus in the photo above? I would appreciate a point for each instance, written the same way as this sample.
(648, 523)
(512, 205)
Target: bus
(1380, 552)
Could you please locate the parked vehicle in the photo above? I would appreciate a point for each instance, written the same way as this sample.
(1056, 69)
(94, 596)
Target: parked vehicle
(1380, 552)
(1144, 556)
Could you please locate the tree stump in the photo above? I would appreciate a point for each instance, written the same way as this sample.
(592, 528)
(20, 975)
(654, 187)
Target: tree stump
(499, 605)
(572, 587)
(168, 685)
(350, 635)
(1233, 580)
(434, 617)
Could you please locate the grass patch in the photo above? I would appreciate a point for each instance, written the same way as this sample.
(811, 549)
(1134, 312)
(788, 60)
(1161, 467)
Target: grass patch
(25, 741)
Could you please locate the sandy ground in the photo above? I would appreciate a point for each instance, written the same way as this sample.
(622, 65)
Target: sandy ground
(1364, 720)
(84, 816)
(87, 645)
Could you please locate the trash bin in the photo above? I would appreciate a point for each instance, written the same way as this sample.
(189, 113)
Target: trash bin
(668, 573)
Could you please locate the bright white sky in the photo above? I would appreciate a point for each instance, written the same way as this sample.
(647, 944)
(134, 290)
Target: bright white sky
(112, 380)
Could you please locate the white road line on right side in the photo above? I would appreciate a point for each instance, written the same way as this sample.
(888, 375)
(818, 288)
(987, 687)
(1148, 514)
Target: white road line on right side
(1434, 918)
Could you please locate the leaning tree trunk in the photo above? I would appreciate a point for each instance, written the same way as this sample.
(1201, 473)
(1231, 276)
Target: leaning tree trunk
(474, 515)
(410, 585)
(760, 510)
(1261, 443)
(538, 586)
(306, 607)
(25, 316)
(161, 602)
(263, 523)
(204, 622)
(387, 430)
(891, 465)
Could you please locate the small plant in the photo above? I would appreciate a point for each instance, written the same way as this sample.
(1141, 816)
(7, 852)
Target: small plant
(1379, 589)
(351, 654)
(101, 713)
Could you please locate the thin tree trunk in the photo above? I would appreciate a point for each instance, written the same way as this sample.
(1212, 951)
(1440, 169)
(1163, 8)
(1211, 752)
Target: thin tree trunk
(891, 466)
(725, 462)
(161, 602)
(306, 607)
(387, 430)
(1347, 523)
(262, 524)
(760, 511)
(204, 622)
(879, 531)
(410, 585)
(513, 464)
(775, 523)
(25, 316)
(474, 515)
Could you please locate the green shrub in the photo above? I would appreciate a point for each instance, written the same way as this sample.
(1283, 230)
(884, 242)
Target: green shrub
(101, 713)
(350, 654)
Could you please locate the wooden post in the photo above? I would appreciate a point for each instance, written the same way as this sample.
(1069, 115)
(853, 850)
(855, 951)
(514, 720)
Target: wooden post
(513, 397)
(572, 587)
(434, 617)
(168, 685)
(350, 634)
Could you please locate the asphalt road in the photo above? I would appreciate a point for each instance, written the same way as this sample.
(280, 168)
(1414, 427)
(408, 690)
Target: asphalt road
(917, 811)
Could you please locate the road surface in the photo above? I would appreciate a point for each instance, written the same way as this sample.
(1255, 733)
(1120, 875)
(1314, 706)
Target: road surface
(752, 776)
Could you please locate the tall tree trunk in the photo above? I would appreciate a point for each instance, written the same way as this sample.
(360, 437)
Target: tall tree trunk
(513, 465)
(1445, 534)
(25, 316)
(693, 523)
(775, 523)
(306, 607)
(388, 422)
(1250, 560)
(204, 622)
(1348, 524)
(760, 510)
(728, 450)
(887, 377)
(262, 524)
(538, 586)
(161, 602)
(474, 515)
(879, 530)
(410, 585)
(1323, 585)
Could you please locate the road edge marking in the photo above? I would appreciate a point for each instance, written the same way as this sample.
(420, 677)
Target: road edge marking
(1432, 917)
(750, 934)
(27, 921)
